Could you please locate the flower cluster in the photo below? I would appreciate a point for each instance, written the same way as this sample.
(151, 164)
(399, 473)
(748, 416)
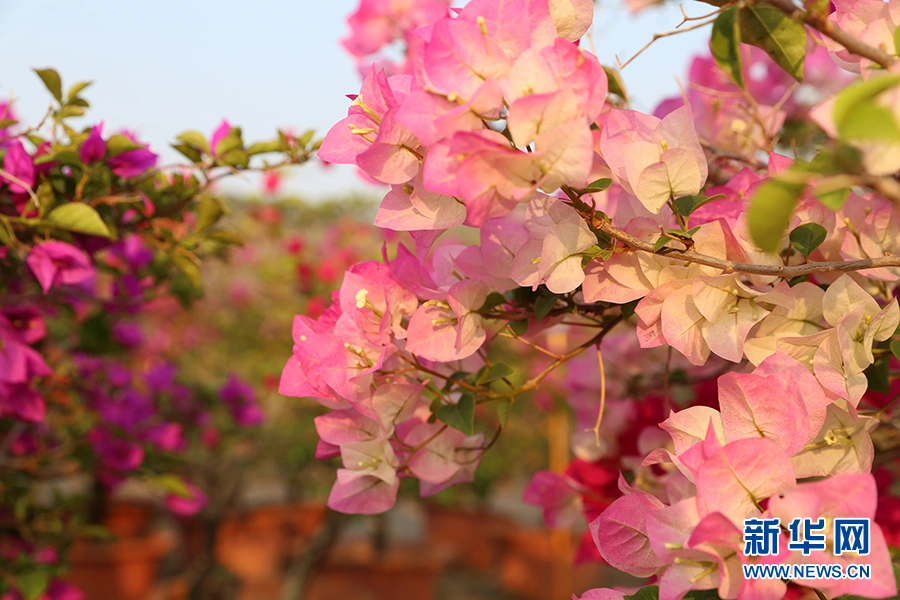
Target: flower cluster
(773, 278)
(92, 232)
(745, 462)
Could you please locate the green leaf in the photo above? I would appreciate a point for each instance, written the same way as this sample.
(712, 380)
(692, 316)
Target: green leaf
(47, 198)
(842, 158)
(209, 211)
(459, 416)
(878, 375)
(895, 348)
(597, 186)
(237, 157)
(225, 237)
(95, 335)
(725, 44)
(685, 235)
(870, 121)
(195, 139)
(859, 98)
(32, 584)
(52, 82)
(118, 143)
(76, 88)
(544, 304)
(69, 110)
(628, 308)
(456, 376)
(188, 267)
(171, 484)
(189, 152)
(306, 138)
(688, 204)
(498, 371)
(770, 212)
(5, 229)
(503, 412)
(615, 83)
(651, 592)
(264, 147)
(231, 141)
(79, 218)
(780, 36)
(808, 237)
(834, 199)
(493, 300)
(97, 532)
(519, 327)
(661, 241)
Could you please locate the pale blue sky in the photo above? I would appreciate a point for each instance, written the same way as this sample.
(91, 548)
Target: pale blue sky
(163, 66)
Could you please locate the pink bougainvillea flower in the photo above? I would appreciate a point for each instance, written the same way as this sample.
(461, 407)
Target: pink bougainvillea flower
(481, 169)
(451, 330)
(27, 321)
(780, 401)
(58, 263)
(377, 23)
(368, 484)
(734, 480)
(240, 397)
(844, 496)
(436, 461)
(165, 436)
(190, 504)
(115, 453)
(573, 18)
(842, 446)
(654, 159)
(558, 239)
(459, 56)
(218, 135)
(621, 534)
(62, 590)
(433, 117)
(19, 362)
(411, 207)
(93, 148)
(18, 167)
(21, 401)
(371, 136)
(869, 20)
(558, 495)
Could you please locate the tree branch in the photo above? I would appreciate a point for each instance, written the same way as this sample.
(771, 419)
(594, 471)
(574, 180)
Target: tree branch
(730, 266)
(820, 23)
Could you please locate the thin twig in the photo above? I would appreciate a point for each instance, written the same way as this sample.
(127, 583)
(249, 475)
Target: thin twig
(730, 266)
(12, 178)
(596, 428)
(820, 23)
(659, 36)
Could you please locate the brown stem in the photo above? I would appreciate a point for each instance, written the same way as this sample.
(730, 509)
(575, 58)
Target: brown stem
(820, 23)
(298, 573)
(730, 266)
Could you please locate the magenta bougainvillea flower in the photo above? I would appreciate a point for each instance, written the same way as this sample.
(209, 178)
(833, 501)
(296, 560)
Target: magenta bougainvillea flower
(56, 263)
(93, 149)
(18, 167)
(133, 163)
